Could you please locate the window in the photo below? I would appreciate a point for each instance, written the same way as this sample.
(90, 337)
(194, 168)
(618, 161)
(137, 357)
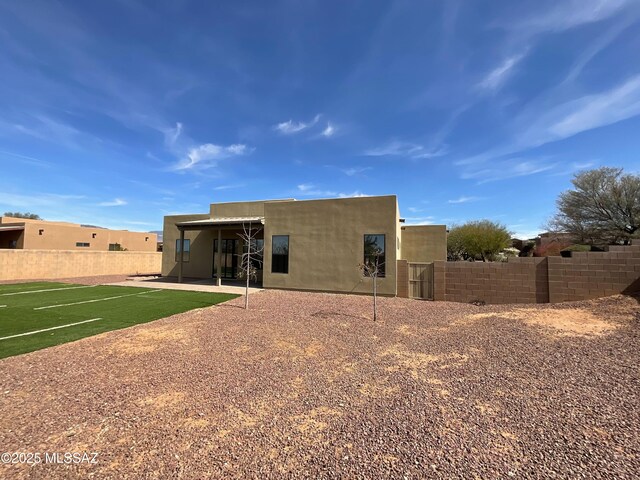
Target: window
(93, 235)
(82, 244)
(187, 249)
(374, 252)
(257, 252)
(41, 231)
(280, 254)
(115, 247)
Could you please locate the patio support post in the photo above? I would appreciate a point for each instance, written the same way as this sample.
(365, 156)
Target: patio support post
(181, 257)
(219, 259)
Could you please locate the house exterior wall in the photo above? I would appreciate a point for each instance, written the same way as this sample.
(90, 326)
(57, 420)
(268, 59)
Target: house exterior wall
(201, 255)
(423, 243)
(326, 242)
(40, 234)
(242, 209)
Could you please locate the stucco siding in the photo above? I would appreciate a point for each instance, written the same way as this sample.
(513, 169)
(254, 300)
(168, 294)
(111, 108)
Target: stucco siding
(201, 245)
(423, 243)
(326, 242)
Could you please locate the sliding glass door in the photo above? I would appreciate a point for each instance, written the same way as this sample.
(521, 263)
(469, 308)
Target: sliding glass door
(229, 258)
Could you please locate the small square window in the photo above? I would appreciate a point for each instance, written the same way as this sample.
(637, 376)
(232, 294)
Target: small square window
(93, 235)
(41, 231)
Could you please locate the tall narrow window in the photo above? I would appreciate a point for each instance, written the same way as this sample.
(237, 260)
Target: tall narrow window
(280, 254)
(187, 250)
(257, 250)
(374, 252)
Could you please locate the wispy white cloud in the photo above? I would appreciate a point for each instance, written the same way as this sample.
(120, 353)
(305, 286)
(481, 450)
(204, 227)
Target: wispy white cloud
(405, 149)
(310, 190)
(574, 167)
(549, 120)
(118, 202)
(415, 209)
(228, 187)
(355, 194)
(498, 76)
(36, 200)
(36, 162)
(510, 168)
(591, 50)
(593, 111)
(429, 220)
(329, 131)
(290, 127)
(52, 130)
(304, 187)
(464, 199)
(567, 14)
(207, 155)
(350, 171)
(353, 171)
(171, 135)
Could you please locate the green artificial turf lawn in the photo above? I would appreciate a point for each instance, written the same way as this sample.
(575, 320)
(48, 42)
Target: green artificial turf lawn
(137, 305)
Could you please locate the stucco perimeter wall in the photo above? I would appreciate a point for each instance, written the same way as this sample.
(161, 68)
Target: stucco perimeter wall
(424, 243)
(200, 264)
(540, 280)
(44, 264)
(326, 242)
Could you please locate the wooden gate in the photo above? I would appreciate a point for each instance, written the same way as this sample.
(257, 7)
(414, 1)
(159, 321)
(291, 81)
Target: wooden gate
(421, 280)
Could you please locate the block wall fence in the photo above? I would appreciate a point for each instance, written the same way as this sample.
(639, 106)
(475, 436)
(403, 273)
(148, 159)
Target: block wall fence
(585, 275)
(47, 264)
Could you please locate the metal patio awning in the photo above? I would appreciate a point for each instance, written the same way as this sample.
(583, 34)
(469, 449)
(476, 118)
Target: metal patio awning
(9, 228)
(219, 222)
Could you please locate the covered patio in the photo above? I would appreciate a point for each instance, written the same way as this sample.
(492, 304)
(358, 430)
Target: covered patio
(227, 252)
(11, 236)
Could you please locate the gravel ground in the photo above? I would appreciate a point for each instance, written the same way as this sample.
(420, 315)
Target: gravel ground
(306, 385)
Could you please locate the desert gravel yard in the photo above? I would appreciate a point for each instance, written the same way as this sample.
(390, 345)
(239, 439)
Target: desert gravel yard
(305, 385)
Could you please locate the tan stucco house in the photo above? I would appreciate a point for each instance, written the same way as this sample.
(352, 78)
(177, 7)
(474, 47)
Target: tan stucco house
(27, 234)
(307, 245)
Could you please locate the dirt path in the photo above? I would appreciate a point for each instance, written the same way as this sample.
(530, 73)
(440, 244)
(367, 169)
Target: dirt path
(306, 385)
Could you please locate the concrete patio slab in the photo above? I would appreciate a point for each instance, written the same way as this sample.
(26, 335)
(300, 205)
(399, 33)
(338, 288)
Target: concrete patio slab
(207, 285)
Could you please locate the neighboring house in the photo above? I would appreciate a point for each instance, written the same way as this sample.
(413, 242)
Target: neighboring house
(22, 233)
(308, 244)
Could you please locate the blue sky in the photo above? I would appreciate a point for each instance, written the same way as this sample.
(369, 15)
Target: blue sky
(118, 113)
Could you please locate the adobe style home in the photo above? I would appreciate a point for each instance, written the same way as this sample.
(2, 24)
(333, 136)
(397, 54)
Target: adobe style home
(307, 245)
(27, 234)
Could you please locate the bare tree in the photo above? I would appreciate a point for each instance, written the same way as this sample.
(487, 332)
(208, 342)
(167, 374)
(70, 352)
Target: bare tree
(251, 259)
(372, 267)
(602, 208)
